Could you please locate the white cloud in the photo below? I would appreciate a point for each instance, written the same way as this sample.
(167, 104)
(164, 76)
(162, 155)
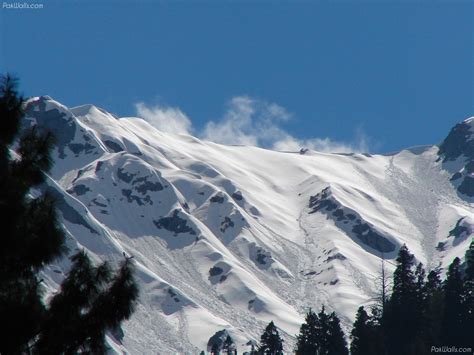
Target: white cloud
(248, 121)
(166, 119)
(326, 145)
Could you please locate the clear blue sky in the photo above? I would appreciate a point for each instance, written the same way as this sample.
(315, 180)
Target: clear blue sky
(401, 70)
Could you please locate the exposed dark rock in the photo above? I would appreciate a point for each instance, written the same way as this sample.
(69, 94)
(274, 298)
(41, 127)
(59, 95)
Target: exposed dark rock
(174, 224)
(322, 201)
(456, 176)
(78, 190)
(217, 199)
(173, 295)
(114, 147)
(215, 270)
(124, 176)
(78, 148)
(147, 186)
(140, 201)
(261, 258)
(460, 141)
(98, 166)
(59, 123)
(339, 214)
(97, 203)
(467, 186)
(237, 196)
(349, 220)
(226, 223)
(337, 256)
(370, 237)
(459, 229)
(441, 246)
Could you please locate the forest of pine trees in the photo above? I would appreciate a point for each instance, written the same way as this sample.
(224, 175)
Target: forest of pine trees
(92, 299)
(421, 312)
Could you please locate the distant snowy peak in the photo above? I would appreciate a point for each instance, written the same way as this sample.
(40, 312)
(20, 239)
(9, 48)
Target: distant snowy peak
(457, 152)
(459, 142)
(76, 144)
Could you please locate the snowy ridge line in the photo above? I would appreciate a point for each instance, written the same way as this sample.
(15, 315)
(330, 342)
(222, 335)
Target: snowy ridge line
(232, 237)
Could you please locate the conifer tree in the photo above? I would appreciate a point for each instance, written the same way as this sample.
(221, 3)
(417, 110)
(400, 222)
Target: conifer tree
(400, 320)
(229, 347)
(321, 334)
(453, 305)
(323, 331)
(468, 299)
(215, 349)
(270, 342)
(307, 339)
(362, 334)
(337, 344)
(90, 301)
(30, 237)
(433, 309)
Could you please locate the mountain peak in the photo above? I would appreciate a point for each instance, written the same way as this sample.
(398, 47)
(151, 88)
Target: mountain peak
(90, 111)
(459, 142)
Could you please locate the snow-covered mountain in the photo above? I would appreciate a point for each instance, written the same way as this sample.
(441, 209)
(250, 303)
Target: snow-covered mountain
(231, 237)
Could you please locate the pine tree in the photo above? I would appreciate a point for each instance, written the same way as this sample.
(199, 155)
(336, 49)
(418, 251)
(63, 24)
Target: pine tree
(362, 334)
(307, 339)
(323, 331)
(215, 349)
(270, 341)
(433, 309)
(470, 262)
(321, 334)
(229, 346)
(90, 301)
(400, 319)
(31, 237)
(337, 344)
(468, 299)
(453, 289)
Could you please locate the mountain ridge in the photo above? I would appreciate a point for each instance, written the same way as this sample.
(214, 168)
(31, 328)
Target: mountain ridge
(231, 237)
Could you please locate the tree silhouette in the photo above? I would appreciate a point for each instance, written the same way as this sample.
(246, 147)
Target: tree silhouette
(270, 341)
(31, 236)
(90, 300)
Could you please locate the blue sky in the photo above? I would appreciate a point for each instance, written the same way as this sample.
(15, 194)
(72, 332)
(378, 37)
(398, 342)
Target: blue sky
(375, 75)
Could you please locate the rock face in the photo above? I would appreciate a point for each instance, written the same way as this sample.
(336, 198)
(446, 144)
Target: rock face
(459, 147)
(350, 221)
(174, 224)
(232, 237)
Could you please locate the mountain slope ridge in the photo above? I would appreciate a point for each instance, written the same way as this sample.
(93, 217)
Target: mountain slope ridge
(229, 236)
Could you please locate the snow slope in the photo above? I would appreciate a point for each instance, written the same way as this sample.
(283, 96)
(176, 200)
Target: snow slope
(231, 237)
